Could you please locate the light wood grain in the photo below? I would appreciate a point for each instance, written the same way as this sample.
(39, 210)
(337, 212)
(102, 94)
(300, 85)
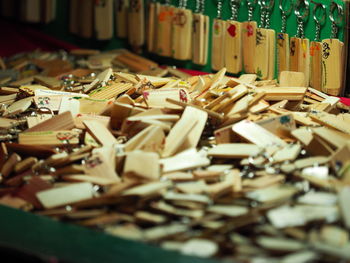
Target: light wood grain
(136, 31)
(153, 13)
(233, 46)
(200, 39)
(121, 18)
(100, 132)
(218, 45)
(164, 30)
(104, 19)
(249, 42)
(304, 60)
(262, 53)
(182, 34)
(295, 44)
(316, 65)
(332, 66)
(50, 138)
(283, 52)
(271, 34)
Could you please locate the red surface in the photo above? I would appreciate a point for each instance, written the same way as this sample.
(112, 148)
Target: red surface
(345, 101)
(18, 38)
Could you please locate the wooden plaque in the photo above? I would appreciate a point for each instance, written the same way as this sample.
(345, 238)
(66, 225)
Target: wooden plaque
(233, 46)
(316, 65)
(332, 66)
(152, 26)
(249, 42)
(104, 19)
(217, 52)
(262, 53)
(200, 39)
(304, 60)
(164, 30)
(121, 18)
(294, 50)
(271, 34)
(283, 52)
(182, 34)
(136, 31)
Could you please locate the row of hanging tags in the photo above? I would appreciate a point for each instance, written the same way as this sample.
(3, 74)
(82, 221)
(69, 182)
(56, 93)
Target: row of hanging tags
(177, 32)
(321, 61)
(245, 46)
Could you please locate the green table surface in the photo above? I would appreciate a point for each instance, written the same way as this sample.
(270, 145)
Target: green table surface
(47, 238)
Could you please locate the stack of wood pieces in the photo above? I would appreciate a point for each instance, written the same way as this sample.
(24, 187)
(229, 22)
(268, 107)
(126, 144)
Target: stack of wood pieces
(211, 166)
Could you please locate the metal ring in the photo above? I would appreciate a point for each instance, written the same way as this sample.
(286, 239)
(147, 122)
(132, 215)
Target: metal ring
(252, 3)
(339, 21)
(267, 4)
(288, 11)
(322, 20)
(306, 13)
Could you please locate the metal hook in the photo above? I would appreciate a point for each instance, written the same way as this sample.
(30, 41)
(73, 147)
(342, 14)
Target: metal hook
(322, 20)
(298, 6)
(284, 11)
(340, 17)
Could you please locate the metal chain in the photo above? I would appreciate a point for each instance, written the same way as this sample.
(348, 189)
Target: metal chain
(318, 32)
(334, 32)
(300, 31)
(267, 19)
(198, 6)
(262, 18)
(250, 12)
(234, 10)
(218, 14)
(284, 23)
(202, 6)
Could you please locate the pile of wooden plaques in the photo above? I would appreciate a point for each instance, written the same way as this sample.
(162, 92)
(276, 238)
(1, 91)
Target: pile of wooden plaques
(211, 166)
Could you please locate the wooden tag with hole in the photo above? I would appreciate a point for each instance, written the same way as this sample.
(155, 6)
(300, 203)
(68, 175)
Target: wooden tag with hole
(182, 34)
(294, 50)
(233, 46)
(271, 34)
(164, 30)
(249, 42)
(304, 60)
(316, 65)
(218, 44)
(283, 52)
(200, 39)
(332, 66)
(262, 53)
(121, 18)
(136, 32)
(153, 10)
(104, 19)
